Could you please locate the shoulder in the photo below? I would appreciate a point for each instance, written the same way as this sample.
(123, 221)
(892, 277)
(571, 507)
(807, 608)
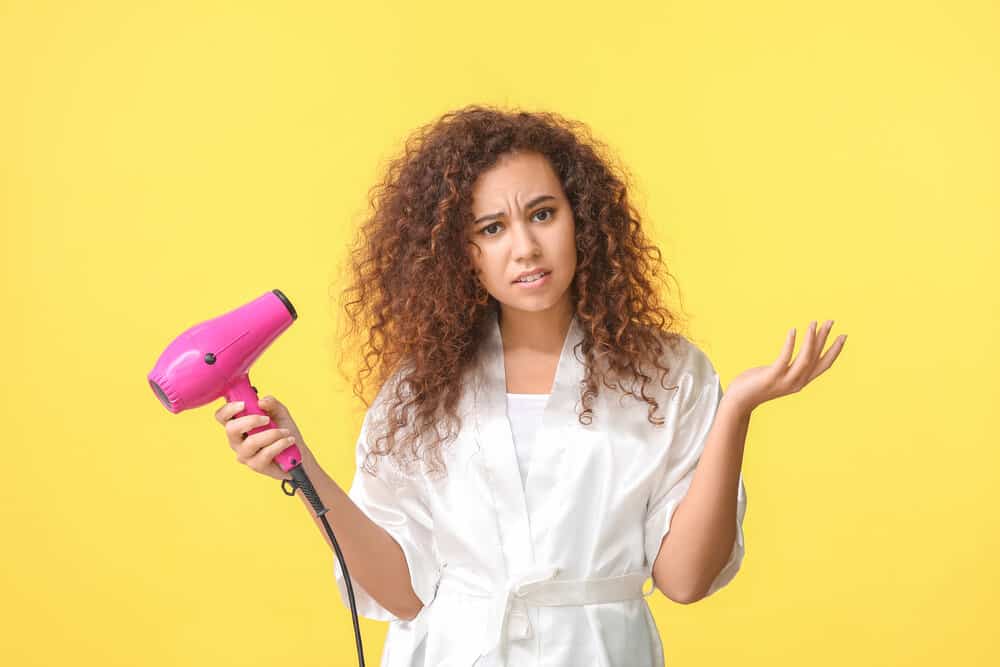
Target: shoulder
(377, 416)
(697, 361)
(684, 357)
(692, 374)
(387, 424)
(394, 388)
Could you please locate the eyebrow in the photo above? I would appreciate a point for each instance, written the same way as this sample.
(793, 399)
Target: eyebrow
(497, 215)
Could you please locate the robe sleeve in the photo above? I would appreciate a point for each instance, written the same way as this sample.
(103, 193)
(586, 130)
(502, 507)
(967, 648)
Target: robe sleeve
(399, 504)
(700, 395)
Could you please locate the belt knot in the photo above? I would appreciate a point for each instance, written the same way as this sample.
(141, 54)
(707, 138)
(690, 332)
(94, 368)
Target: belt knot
(509, 617)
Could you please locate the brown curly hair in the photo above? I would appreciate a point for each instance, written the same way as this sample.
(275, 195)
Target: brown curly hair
(422, 331)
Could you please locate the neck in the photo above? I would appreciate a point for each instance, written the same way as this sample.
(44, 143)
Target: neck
(541, 331)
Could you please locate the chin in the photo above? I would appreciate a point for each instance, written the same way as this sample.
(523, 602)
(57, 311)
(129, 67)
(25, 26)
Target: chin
(532, 303)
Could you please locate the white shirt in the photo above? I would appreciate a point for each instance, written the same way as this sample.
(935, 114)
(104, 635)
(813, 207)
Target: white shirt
(525, 414)
(551, 569)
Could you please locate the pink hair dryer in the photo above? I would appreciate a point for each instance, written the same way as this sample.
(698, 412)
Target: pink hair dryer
(213, 359)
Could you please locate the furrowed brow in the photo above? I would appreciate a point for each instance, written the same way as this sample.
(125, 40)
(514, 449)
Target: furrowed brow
(531, 203)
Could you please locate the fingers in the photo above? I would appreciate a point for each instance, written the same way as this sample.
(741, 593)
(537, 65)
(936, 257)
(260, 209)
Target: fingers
(263, 459)
(829, 357)
(238, 429)
(810, 364)
(810, 352)
(806, 355)
(800, 367)
(259, 444)
(820, 342)
(226, 412)
(786, 351)
(258, 452)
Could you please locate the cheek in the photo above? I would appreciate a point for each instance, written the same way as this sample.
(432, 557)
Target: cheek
(489, 272)
(480, 262)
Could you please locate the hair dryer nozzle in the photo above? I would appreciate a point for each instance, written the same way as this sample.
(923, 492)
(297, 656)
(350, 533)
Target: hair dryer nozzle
(288, 304)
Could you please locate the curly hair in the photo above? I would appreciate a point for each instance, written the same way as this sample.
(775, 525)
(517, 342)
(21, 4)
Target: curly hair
(423, 333)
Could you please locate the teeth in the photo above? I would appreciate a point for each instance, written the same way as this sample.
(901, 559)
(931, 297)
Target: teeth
(532, 278)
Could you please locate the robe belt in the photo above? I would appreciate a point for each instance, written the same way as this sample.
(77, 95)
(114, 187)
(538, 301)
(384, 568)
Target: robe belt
(538, 587)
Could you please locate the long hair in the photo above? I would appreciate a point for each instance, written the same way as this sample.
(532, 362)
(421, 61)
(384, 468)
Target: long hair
(414, 295)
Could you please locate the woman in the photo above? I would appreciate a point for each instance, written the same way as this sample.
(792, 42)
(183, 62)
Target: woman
(542, 443)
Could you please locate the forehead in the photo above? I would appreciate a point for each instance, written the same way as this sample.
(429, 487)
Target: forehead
(518, 175)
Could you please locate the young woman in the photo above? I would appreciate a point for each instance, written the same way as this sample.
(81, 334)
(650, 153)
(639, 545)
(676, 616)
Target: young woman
(542, 443)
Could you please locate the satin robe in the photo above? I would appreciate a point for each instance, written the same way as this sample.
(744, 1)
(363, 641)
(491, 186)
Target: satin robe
(554, 571)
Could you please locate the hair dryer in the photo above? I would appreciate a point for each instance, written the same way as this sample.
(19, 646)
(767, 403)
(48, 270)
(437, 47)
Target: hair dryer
(213, 359)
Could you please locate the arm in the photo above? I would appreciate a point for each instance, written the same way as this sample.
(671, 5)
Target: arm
(373, 557)
(703, 528)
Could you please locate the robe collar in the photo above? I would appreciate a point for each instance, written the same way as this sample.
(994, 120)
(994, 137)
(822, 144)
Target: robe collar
(569, 371)
(521, 510)
(513, 502)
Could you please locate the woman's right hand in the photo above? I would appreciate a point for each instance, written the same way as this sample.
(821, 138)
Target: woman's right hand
(257, 451)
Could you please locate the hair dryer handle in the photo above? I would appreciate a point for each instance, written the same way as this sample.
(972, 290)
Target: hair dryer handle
(242, 390)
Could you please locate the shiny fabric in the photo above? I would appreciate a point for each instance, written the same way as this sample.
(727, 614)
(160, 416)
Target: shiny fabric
(550, 572)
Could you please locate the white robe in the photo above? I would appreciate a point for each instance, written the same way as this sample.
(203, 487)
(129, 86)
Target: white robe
(555, 571)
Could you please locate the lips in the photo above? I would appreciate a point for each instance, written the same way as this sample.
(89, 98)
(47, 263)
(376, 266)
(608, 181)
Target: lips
(544, 273)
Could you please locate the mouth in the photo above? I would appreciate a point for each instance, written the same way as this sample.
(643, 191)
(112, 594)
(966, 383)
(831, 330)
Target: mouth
(535, 280)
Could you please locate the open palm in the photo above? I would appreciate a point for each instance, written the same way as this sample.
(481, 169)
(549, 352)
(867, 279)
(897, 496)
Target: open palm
(764, 383)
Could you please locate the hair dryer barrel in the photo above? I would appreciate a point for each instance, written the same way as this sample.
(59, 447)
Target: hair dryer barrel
(212, 358)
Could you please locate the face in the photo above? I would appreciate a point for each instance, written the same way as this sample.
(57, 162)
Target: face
(522, 222)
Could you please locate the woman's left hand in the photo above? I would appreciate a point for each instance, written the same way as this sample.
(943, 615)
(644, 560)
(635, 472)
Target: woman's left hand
(763, 383)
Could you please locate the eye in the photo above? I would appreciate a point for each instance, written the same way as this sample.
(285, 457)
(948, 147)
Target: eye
(550, 211)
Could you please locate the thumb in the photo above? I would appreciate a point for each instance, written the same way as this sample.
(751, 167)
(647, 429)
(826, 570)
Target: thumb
(270, 405)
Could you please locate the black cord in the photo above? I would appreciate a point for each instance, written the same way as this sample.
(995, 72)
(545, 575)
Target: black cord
(301, 481)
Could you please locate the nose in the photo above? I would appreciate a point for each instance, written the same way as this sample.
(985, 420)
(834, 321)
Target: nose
(525, 245)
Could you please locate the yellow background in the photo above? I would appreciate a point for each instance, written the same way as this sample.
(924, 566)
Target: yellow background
(162, 163)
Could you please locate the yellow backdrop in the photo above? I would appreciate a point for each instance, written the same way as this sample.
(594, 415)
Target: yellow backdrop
(161, 163)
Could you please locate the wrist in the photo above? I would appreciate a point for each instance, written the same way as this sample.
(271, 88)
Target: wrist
(736, 406)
